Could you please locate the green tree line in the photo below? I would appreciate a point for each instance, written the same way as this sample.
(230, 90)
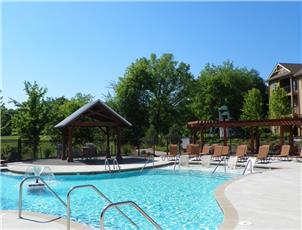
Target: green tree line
(158, 95)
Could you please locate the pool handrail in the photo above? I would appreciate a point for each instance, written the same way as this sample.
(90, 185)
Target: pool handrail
(21, 193)
(107, 164)
(224, 164)
(116, 164)
(100, 194)
(249, 161)
(131, 203)
(149, 159)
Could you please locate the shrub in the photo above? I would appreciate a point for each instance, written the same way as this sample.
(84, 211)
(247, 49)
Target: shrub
(127, 149)
(47, 152)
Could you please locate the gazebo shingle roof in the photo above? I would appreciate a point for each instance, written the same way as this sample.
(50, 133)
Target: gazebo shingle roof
(105, 114)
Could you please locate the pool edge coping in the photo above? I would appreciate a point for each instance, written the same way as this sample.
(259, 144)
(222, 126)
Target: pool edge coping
(73, 224)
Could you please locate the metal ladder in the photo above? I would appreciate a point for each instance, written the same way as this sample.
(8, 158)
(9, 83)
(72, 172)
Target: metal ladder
(67, 206)
(131, 203)
(149, 160)
(115, 163)
(68, 209)
(224, 164)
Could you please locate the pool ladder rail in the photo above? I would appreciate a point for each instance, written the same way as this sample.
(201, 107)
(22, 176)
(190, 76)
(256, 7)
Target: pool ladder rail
(68, 208)
(224, 159)
(150, 159)
(116, 165)
(130, 203)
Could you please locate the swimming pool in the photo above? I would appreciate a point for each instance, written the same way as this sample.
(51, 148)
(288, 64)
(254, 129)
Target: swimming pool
(182, 199)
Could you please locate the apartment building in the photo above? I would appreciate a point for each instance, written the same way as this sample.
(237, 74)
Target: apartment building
(289, 77)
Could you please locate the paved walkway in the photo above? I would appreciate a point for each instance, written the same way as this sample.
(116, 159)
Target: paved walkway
(93, 166)
(33, 220)
(270, 200)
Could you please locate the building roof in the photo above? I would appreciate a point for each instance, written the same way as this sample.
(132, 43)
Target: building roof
(282, 70)
(97, 110)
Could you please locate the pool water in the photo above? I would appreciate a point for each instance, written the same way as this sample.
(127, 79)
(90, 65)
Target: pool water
(182, 199)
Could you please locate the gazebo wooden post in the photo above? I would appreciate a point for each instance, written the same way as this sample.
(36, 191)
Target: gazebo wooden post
(225, 136)
(108, 155)
(69, 144)
(252, 140)
(64, 133)
(281, 135)
(118, 143)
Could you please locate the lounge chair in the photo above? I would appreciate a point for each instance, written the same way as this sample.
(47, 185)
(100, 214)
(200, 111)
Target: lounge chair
(225, 151)
(284, 153)
(193, 150)
(241, 152)
(217, 152)
(262, 155)
(205, 150)
(173, 151)
(232, 162)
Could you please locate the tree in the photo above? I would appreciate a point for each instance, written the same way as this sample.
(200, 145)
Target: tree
(157, 92)
(279, 106)
(225, 85)
(59, 109)
(32, 115)
(6, 115)
(253, 110)
(252, 106)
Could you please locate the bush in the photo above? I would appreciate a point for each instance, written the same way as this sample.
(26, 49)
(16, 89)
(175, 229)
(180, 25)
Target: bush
(47, 152)
(127, 149)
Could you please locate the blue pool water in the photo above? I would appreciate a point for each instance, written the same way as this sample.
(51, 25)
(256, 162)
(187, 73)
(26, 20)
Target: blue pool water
(181, 199)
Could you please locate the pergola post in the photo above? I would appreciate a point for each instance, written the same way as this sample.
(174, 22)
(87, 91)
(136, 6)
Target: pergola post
(194, 136)
(69, 144)
(281, 135)
(118, 143)
(108, 155)
(201, 138)
(252, 140)
(225, 136)
(291, 137)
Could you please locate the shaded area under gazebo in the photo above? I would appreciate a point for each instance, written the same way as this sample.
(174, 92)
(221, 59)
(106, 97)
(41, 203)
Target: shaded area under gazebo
(94, 114)
(285, 123)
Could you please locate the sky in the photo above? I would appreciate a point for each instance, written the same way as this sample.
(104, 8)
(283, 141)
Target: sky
(85, 47)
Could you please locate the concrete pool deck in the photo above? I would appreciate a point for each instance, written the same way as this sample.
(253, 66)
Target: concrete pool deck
(59, 166)
(32, 220)
(268, 200)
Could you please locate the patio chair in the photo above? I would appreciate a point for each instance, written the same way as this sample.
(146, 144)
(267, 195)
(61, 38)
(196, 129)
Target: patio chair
(284, 153)
(241, 152)
(225, 151)
(173, 151)
(232, 162)
(205, 150)
(262, 155)
(217, 152)
(193, 150)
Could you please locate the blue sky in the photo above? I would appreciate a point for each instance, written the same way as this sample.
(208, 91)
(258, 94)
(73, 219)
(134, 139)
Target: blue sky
(84, 47)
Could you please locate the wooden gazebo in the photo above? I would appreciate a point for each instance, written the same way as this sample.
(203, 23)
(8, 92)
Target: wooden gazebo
(201, 126)
(99, 115)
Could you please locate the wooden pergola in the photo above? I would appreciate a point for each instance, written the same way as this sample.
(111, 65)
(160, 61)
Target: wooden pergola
(99, 115)
(201, 126)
